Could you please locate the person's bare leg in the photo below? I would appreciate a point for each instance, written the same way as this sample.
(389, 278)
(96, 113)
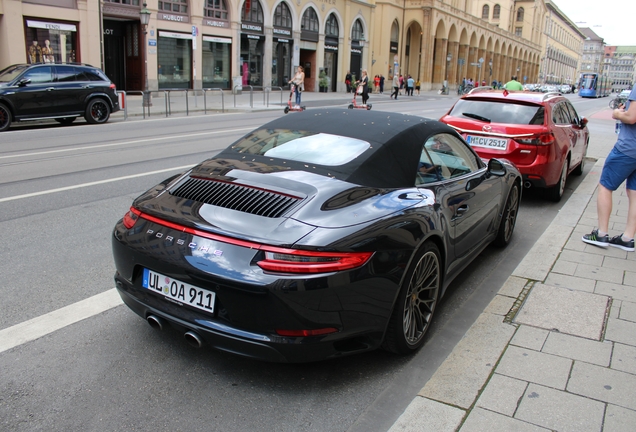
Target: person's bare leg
(604, 208)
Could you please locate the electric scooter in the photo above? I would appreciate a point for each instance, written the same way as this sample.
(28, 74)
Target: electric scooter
(353, 103)
(289, 106)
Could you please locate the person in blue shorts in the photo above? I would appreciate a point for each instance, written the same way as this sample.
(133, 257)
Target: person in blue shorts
(619, 166)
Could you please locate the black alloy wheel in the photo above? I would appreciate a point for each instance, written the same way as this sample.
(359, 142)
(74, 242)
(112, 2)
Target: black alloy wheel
(509, 217)
(97, 111)
(5, 118)
(416, 302)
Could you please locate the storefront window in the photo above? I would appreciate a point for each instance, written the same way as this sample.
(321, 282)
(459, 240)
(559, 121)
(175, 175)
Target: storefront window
(174, 57)
(252, 43)
(216, 62)
(126, 2)
(49, 42)
(282, 16)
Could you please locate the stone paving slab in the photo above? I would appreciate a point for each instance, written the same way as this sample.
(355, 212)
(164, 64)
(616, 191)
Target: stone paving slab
(619, 419)
(577, 348)
(571, 282)
(616, 291)
(628, 311)
(502, 394)
(598, 273)
(535, 367)
(567, 311)
(462, 375)
(425, 415)
(560, 411)
(541, 257)
(530, 337)
(621, 331)
(513, 287)
(603, 384)
(624, 359)
(481, 420)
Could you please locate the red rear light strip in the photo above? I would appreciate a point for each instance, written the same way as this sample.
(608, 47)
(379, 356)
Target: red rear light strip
(341, 260)
(305, 333)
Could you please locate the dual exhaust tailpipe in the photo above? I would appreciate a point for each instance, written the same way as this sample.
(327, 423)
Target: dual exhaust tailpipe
(191, 337)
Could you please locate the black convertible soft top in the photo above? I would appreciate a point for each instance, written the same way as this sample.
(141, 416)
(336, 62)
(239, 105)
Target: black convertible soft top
(390, 162)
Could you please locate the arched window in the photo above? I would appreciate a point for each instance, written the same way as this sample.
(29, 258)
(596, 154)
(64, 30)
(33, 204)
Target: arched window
(252, 11)
(215, 9)
(357, 33)
(331, 28)
(395, 32)
(520, 14)
(485, 12)
(282, 16)
(496, 11)
(309, 21)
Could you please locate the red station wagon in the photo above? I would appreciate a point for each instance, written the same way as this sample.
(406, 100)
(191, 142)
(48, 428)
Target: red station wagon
(542, 134)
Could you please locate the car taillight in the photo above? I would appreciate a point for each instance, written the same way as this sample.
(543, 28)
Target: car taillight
(131, 217)
(299, 261)
(545, 138)
(113, 86)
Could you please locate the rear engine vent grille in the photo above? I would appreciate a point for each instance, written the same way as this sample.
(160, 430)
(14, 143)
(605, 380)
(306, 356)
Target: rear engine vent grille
(236, 197)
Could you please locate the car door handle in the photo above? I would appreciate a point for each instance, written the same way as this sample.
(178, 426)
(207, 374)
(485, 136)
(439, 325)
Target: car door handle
(460, 211)
(50, 88)
(87, 86)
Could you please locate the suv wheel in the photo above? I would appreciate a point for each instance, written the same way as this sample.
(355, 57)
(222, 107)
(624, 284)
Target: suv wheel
(97, 111)
(556, 192)
(5, 118)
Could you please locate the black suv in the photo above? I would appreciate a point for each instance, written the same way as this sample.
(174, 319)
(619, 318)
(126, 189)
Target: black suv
(59, 91)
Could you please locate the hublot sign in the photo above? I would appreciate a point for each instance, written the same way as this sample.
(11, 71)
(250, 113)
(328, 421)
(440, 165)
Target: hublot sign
(213, 23)
(170, 17)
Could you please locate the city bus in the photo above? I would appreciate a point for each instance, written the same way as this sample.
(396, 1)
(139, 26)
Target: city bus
(594, 85)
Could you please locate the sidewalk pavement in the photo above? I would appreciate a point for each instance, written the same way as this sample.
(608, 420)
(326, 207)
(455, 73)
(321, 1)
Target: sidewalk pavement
(556, 348)
(176, 102)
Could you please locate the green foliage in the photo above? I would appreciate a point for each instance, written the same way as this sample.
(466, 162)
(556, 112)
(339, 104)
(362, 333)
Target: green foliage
(322, 79)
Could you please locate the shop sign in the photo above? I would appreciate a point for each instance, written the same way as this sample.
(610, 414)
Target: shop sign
(282, 40)
(174, 35)
(279, 31)
(215, 23)
(249, 36)
(331, 44)
(217, 39)
(152, 42)
(394, 47)
(176, 18)
(252, 27)
(356, 51)
(51, 26)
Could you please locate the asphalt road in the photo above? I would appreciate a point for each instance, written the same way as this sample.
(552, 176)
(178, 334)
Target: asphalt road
(61, 191)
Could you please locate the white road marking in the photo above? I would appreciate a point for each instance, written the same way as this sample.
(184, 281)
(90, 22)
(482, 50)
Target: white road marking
(83, 185)
(43, 325)
(123, 143)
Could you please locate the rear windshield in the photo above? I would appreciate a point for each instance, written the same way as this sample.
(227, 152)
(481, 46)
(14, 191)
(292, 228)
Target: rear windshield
(302, 146)
(499, 112)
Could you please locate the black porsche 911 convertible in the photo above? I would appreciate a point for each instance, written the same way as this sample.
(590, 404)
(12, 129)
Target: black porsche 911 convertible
(318, 235)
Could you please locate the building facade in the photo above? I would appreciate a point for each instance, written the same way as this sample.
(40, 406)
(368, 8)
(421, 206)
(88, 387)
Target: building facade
(620, 66)
(194, 44)
(593, 52)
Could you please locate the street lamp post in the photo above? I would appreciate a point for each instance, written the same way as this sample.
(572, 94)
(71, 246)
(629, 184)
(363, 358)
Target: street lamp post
(490, 70)
(449, 57)
(144, 17)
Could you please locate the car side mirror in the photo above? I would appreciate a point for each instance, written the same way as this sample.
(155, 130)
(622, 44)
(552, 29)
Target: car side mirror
(583, 122)
(496, 167)
(23, 82)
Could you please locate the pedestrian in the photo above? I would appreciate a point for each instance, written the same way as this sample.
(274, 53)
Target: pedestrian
(376, 84)
(417, 86)
(299, 84)
(381, 84)
(396, 86)
(348, 81)
(401, 84)
(513, 84)
(363, 83)
(619, 166)
(410, 84)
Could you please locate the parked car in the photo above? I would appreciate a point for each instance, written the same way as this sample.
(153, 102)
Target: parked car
(318, 235)
(542, 134)
(55, 91)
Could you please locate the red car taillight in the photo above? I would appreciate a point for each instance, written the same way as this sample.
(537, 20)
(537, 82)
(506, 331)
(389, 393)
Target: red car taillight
(131, 217)
(305, 333)
(544, 138)
(277, 259)
(113, 86)
(300, 261)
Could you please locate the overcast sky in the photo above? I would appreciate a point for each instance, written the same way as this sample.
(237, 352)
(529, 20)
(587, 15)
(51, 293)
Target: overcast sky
(612, 20)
